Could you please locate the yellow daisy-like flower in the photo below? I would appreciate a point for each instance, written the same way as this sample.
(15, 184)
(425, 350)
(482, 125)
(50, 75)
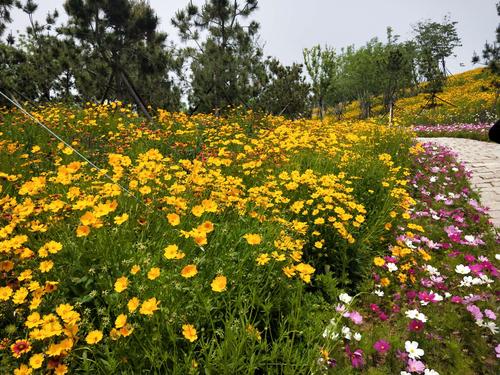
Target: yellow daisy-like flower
(149, 306)
(252, 238)
(5, 293)
(121, 284)
(219, 284)
(263, 259)
(154, 273)
(36, 361)
(94, 337)
(46, 266)
(189, 332)
(120, 321)
(189, 271)
(133, 304)
(378, 261)
(135, 269)
(23, 370)
(119, 220)
(173, 219)
(82, 231)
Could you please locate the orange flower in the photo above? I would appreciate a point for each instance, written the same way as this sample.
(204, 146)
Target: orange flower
(173, 219)
(82, 231)
(189, 271)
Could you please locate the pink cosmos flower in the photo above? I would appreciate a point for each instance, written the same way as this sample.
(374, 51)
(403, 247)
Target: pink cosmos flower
(475, 311)
(415, 366)
(490, 314)
(355, 317)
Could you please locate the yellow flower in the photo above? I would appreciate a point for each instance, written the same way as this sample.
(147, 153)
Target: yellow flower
(172, 252)
(88, 218)
(378, 261)
(23, 370)
(121, 219)
(36, 361)
(121, 284)
(149, 306)
(20, 295)
(219, 283)
(94, 337)
(198, 211)
(189, 271)
(5, 293)
(253, 239)
(61, 369)
(46, 266)
(153, 273)
(263, 259)
(173, 219)
(189, 332)
(120, 321)
(82, 231)
(384, 281)
(135, 268)
(132, 304)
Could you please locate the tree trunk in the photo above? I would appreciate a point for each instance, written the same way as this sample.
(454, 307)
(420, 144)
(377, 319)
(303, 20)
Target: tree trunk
(135, 95)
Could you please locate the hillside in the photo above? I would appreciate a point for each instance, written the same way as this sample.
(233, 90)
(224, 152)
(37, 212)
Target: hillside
(468, 97)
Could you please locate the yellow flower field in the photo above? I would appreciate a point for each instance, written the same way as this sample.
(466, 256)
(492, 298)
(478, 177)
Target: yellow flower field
(197, 235)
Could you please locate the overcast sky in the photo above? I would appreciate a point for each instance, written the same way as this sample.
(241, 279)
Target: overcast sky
(288, 26)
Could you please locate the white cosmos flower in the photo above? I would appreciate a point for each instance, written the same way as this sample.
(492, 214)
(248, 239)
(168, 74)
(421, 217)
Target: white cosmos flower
(492, 327)
(346, 332)
(412, 314)
(379, 293)
(357, 336)
(428, 371)
(346, 298)
(414, 352)
(461, 269)
(392, 267)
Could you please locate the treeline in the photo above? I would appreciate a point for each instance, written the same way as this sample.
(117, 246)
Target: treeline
(113, 49)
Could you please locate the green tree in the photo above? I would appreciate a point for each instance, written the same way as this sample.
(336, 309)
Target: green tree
(119, 44)
(435, 42)
(491, 51)
(225, 58)
(320, 65)
(5, 18)
(285, 90)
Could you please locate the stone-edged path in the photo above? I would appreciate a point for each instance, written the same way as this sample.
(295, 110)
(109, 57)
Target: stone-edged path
(483, 159)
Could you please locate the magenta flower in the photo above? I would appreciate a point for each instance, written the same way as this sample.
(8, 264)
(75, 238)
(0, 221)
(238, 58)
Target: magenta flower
(383, 316)
(415, 325)
(382, 346)
(490, 314)
(356, 357)
(456, 299)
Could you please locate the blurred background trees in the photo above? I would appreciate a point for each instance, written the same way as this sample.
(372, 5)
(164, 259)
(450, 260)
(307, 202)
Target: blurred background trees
(114, 50)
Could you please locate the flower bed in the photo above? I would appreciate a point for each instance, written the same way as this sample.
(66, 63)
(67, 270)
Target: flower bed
(434, 306)
(472, 131)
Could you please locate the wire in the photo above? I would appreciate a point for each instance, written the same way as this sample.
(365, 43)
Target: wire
(20, 107)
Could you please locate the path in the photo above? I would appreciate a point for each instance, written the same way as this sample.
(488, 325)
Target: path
(483, 159)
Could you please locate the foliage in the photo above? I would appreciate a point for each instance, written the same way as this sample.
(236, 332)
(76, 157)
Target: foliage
(285, 91)
(225, 60)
